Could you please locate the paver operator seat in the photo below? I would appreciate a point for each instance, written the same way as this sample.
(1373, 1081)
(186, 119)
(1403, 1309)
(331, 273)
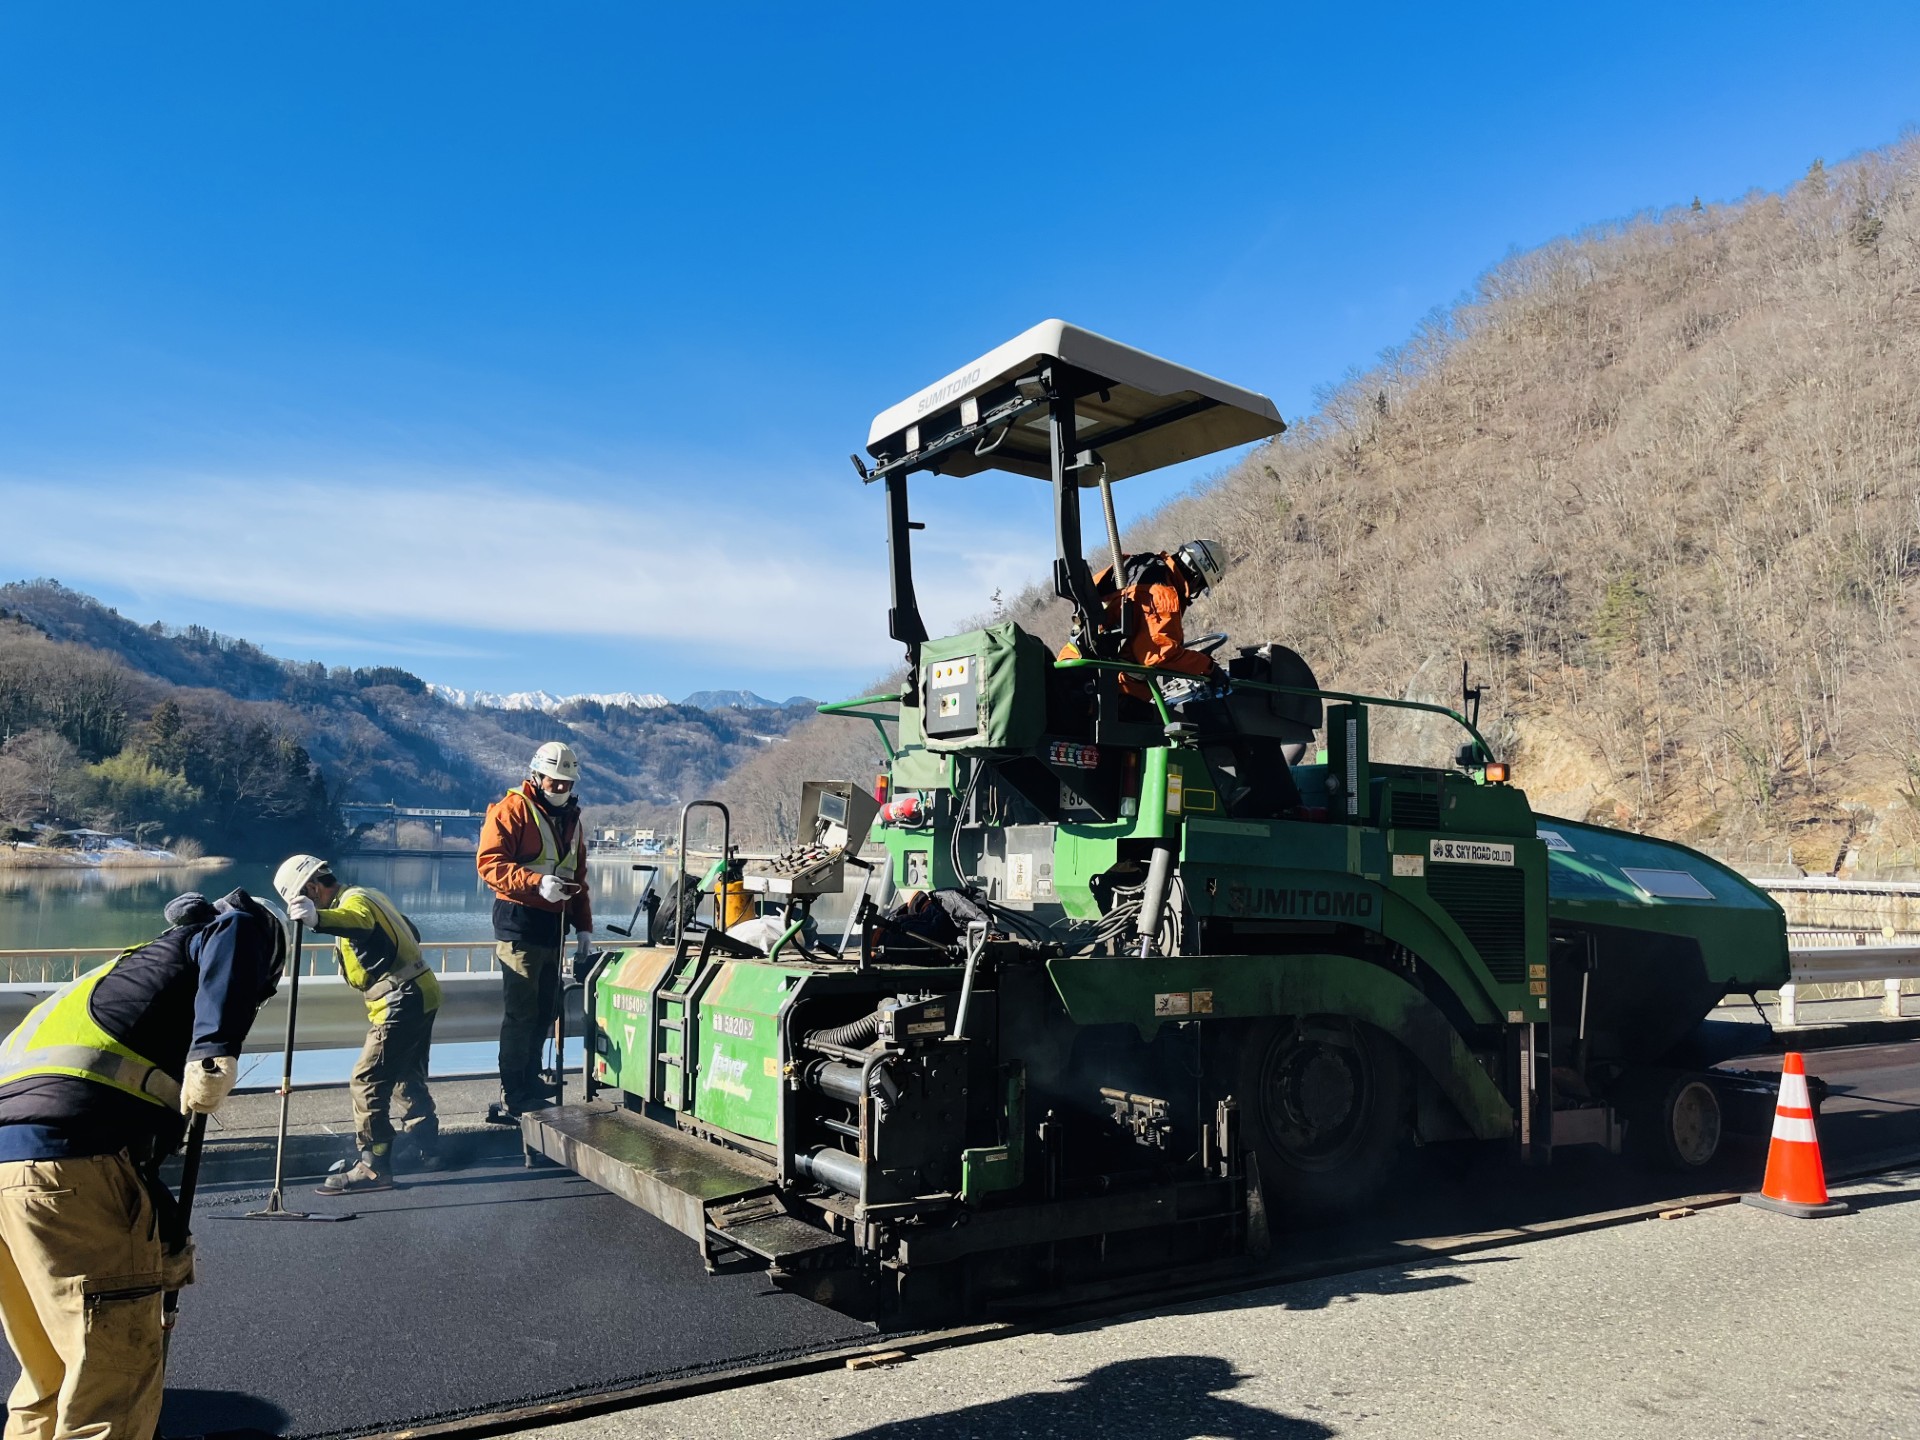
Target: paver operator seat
(1065, 406)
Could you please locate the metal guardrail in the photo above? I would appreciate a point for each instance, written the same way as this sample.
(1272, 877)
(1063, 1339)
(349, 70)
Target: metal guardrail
(471, 1011)
(1828, 885)
(1849, 954)
(1820, 936)
(1890, 965)
(333, 1015)
(57, 966)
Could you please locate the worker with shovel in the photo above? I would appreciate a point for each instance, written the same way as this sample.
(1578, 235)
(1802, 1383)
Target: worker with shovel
(93, 1087)
(379, 953)
(533, 856)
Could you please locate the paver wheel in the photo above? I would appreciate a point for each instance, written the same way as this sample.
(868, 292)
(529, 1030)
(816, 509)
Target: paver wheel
(1680, 1129)
(1323, 1101)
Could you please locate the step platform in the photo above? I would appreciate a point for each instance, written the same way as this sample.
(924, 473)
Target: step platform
(719, 1198)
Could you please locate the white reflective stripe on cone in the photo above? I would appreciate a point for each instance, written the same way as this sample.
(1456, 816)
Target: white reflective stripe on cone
(1793, 1092)
(1799, 1131)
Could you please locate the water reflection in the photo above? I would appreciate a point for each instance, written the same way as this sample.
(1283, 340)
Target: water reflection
(97, 908)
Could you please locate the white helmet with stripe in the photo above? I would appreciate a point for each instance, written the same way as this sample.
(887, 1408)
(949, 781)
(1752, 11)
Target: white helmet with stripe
(557, 760)
(294, 873)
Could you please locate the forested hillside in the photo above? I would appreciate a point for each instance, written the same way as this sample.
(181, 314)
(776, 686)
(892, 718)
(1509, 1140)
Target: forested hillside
(184, 733)
(1660, 483)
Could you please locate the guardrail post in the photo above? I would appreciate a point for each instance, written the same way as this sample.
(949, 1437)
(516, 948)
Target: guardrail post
(1789, 1007)
(1890, 1002)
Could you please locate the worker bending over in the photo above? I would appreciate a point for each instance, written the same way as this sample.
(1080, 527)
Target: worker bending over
(378, 948)
(93, 1087)
(533, 856)
(1148, 603)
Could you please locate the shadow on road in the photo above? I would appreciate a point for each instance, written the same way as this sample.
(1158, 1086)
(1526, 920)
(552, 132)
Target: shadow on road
(219, 1415)
(1169, 1397)
(1878, 1198)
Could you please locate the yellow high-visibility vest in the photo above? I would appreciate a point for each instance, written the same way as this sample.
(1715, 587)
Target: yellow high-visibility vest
(61, 1037)
(550, 861)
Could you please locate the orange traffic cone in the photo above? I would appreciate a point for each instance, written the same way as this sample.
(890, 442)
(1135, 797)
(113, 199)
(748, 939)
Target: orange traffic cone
(1796, 1182)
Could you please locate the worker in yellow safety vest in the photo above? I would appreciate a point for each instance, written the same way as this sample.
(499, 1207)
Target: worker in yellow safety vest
(94, 1085)
(379, 953)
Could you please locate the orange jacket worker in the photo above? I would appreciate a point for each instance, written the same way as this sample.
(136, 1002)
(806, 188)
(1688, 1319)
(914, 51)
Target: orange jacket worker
(1151, 599)
(533, 856)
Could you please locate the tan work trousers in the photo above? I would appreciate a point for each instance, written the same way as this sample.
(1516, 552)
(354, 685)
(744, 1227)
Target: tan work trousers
(80, 1292)
(393, 1067)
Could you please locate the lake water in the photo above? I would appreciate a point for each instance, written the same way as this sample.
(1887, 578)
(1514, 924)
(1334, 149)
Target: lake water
(114, 907)
(73, 909)
(111, 907)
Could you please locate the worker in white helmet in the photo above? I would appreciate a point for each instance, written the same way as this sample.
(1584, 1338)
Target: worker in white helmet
(533, 856)
(378, 949)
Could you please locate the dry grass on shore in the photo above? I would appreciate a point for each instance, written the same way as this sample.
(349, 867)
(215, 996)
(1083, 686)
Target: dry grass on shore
(16, 858)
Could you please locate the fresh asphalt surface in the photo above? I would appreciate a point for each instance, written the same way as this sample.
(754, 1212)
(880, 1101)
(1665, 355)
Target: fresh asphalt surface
(457, 1293)
(495, 1287)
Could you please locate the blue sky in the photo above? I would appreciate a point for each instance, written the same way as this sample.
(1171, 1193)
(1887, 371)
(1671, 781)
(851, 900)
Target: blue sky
(524, 345)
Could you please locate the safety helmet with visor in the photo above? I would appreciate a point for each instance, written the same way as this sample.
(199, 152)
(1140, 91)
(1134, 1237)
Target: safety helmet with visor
(554, 770)
(1204, 561)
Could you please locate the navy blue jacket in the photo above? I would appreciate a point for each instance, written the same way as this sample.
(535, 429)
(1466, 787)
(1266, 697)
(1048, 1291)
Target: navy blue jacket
(188, 995)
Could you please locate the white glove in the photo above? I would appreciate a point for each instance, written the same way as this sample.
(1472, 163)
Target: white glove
(583, 942)
(303, 911)
(206, 1084)
(553, 888)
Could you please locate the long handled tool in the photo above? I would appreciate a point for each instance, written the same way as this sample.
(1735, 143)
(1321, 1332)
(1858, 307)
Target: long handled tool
(276, 1210)
(180, 1233)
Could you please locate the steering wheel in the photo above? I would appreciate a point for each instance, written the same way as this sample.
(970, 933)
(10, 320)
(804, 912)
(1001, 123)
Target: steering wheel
(1208, 643)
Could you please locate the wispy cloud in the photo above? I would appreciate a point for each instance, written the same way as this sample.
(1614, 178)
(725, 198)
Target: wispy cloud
(796, 580)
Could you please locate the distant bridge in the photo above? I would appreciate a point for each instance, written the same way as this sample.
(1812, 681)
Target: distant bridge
(391, 816)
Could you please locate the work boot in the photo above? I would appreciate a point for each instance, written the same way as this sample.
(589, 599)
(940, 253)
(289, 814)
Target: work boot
(500, 1113)
(366, 1174)
(427, 1155)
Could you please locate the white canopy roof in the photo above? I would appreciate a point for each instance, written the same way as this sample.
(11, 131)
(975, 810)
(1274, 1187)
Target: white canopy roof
(1148, 413)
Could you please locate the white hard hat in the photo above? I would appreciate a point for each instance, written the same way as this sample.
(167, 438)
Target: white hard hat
(294, 873)
(1205, 560)
(556, 760)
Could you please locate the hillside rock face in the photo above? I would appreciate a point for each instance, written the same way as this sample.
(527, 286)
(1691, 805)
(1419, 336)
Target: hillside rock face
(1660, 484)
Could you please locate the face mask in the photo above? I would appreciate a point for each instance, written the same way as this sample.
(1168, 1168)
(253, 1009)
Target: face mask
(556, 802)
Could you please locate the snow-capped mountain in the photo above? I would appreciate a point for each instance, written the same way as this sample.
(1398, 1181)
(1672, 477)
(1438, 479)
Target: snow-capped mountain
(738, 700)
(539, 699)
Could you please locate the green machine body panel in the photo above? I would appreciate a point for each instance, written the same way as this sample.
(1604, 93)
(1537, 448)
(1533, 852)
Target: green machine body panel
(730, 1076)
(737, 1079)
(623, 1009)
(983, 691)
(1610, 877)
(1206, 989)
(1475, 910)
